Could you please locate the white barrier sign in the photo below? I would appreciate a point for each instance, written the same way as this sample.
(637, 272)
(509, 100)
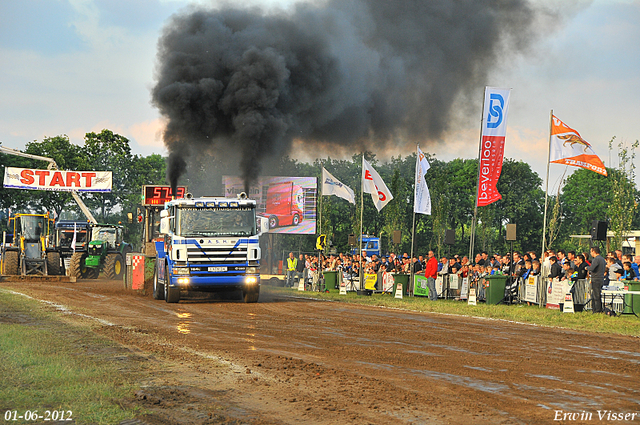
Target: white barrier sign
(439, 284)
(453, 281)
(464, 289)
(472, 297)
(56, 180)
(531, 289)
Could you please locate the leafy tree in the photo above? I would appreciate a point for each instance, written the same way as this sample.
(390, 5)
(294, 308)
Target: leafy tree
(108, 151)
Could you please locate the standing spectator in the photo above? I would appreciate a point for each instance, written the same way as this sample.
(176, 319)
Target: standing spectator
(571, 257)
(431, 272)
(292, 263)
(580, 267)
(619, 256)
(612, 268)
(416, 266)
(301, 270)
(561, 257)
(444, 270)
(555, 271)
(629, 274)
(597, 270)
(636, 265)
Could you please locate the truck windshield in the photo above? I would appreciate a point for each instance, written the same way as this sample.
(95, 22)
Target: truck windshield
(216, 222)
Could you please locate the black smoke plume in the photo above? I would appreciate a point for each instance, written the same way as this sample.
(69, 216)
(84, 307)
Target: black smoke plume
(361, 73)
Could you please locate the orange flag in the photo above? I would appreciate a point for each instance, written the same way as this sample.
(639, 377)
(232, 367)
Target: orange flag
(568, 147)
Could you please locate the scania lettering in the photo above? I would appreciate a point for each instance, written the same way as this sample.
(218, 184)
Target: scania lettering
(210, 244)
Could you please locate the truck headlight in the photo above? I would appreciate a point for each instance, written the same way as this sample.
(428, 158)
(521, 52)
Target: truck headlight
(181, 271)
(251, 280)
(252, 270)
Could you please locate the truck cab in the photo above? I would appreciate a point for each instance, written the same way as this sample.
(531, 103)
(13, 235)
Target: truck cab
(210, 244)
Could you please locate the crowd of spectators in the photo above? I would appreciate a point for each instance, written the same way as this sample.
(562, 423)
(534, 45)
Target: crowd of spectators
(554, 264)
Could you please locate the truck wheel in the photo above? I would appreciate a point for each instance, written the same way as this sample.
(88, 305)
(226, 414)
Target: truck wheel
(296, 219)
(171, 295)
(92, 273)
(251, 295)
(273, 222)
(11, 263)
(53, 263)
(158, 288)
(114, 267)
(77, 267)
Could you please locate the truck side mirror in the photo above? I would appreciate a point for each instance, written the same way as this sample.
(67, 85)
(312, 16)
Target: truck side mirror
(164, 225)
(164, 213)
(263, 225)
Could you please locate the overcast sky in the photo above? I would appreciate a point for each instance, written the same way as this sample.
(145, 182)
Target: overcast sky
(74, 66)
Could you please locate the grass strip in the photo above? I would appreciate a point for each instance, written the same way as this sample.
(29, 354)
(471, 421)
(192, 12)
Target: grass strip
(531, 314)
(48, 364)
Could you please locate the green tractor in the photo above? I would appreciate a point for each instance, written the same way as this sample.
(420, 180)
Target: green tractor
(106, 251)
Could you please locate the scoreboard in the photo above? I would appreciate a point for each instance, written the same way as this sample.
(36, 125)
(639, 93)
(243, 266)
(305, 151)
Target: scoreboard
(158, 195)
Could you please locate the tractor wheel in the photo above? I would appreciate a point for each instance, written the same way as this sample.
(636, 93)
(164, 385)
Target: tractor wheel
(92, 273)
(273, 222)
(53, 263)
(296, 219)
(11, 263)
(114, 266)
(251, 296)
(77, 267)
(171, 295)
(158, 288)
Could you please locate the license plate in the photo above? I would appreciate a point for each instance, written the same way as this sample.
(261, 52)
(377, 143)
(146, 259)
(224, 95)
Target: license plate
(217, 269)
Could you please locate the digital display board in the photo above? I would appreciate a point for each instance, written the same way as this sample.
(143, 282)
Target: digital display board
(158, 195)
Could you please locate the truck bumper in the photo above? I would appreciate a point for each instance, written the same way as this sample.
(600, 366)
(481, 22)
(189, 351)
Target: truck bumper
(215, 283)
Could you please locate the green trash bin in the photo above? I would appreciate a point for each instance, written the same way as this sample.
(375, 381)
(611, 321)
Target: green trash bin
(330, 280)
(401, 278)
(494, 292)
(633, 285)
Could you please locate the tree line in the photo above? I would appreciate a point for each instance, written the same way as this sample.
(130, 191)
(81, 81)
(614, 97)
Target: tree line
(585, 196)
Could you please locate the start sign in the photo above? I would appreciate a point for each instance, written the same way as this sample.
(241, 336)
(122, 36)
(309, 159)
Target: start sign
(56, 180)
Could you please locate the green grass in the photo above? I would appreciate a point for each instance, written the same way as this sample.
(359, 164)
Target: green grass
(582, 321)
(47, 364)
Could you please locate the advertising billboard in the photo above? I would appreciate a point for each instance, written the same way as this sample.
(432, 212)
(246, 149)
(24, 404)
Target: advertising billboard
(288, 202)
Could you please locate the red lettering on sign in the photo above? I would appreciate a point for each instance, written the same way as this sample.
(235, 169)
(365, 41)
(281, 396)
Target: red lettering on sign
(27, 177)
(367, 175)
(57, 179)
(41, 174)
(382, 196)
(88, 177)
(73, 178)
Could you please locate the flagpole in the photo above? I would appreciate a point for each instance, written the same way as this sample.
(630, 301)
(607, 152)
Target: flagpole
(320, 202)
(546, 189)
(475, 207)
(361, 218)
(413, 227)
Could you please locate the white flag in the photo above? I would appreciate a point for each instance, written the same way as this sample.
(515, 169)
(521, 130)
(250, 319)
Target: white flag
(422, 198)
(333, 186)
(372, 183)
(73, 242)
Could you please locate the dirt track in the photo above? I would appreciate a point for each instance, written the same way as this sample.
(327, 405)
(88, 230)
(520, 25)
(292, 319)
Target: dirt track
(290, 360)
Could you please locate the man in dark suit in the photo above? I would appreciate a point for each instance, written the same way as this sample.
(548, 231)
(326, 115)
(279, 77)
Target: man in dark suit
(597, 270)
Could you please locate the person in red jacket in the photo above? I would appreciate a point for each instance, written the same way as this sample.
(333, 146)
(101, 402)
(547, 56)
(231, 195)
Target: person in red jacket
(431, 272)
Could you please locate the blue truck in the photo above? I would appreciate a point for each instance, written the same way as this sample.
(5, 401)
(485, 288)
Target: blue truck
(209, 244)
(370, 244)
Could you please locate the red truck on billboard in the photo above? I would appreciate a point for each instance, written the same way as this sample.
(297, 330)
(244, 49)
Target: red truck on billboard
(284, 205)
